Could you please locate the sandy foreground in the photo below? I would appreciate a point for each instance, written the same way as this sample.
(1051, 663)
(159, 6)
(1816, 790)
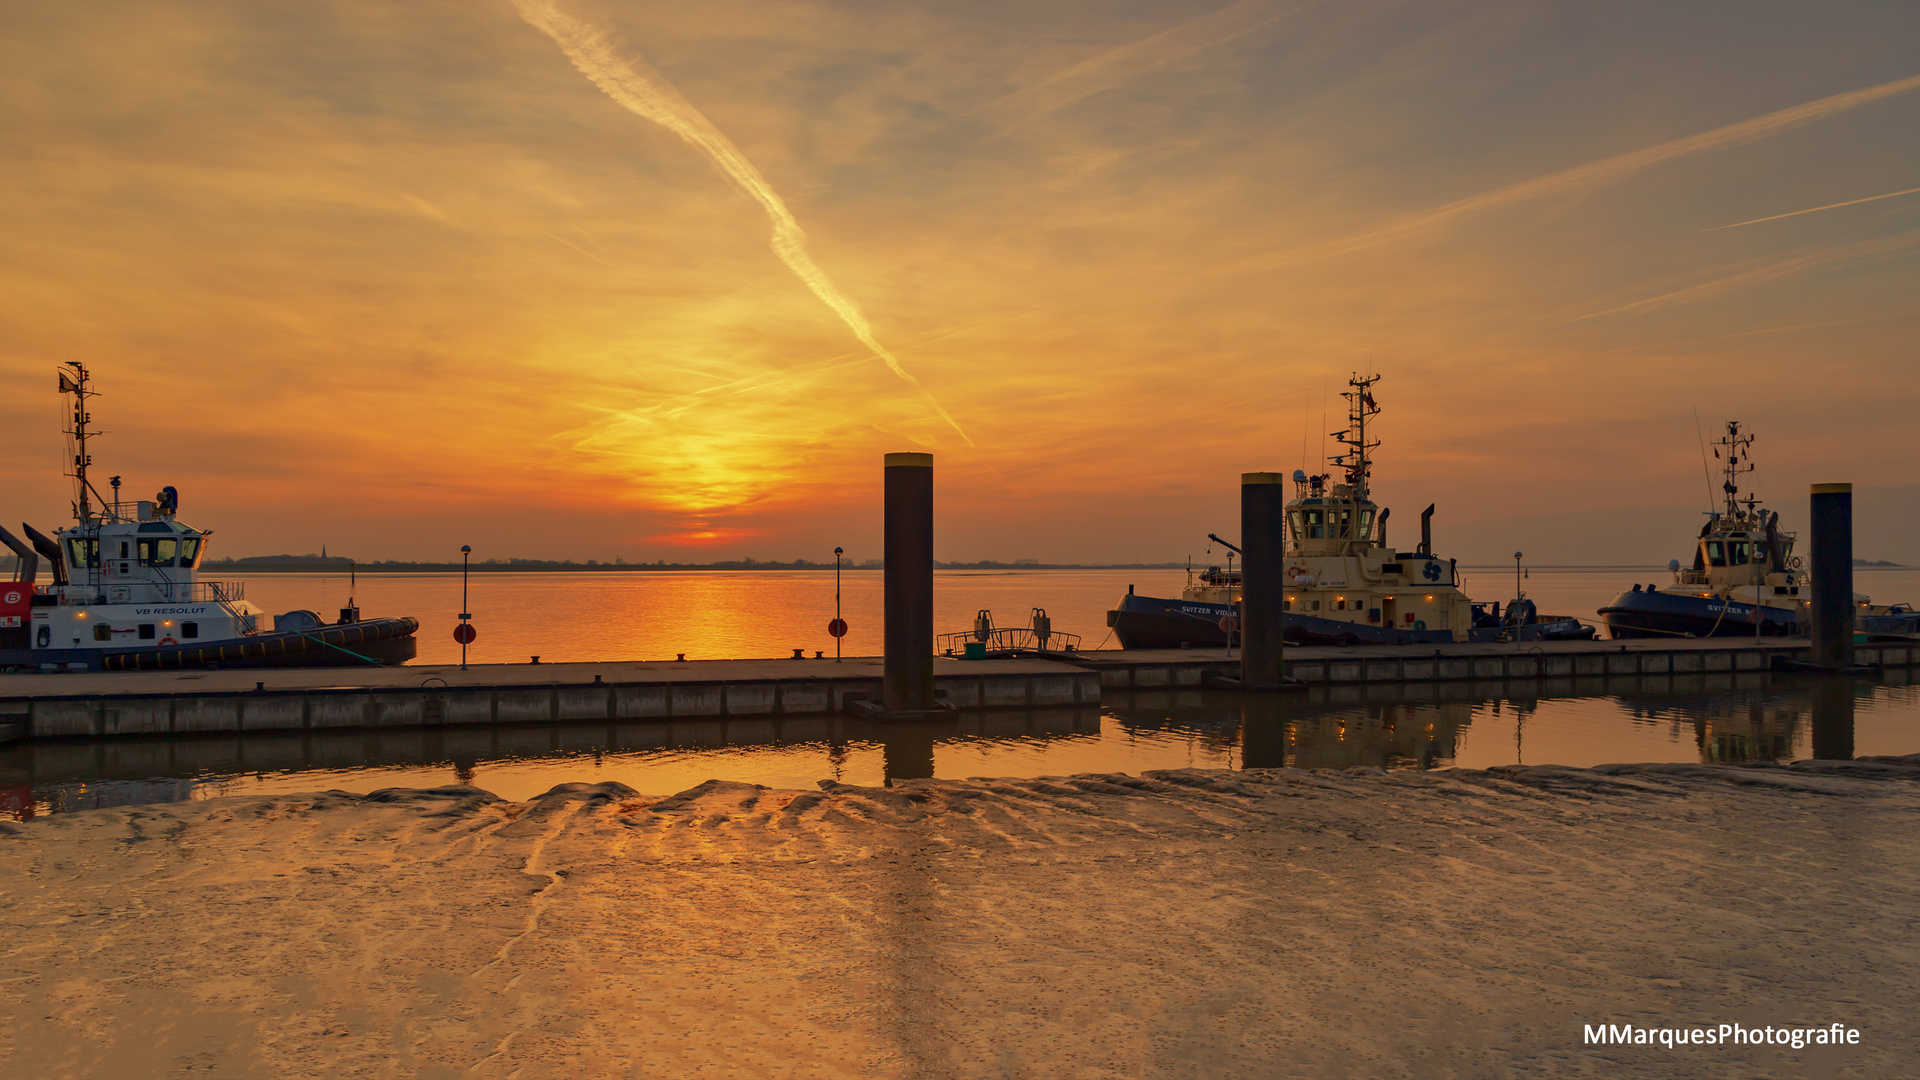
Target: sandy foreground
(1182, 924)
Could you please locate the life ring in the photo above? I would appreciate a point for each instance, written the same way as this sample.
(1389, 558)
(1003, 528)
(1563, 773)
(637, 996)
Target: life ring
(1795, 562)
(1419, 624)
(168, 641)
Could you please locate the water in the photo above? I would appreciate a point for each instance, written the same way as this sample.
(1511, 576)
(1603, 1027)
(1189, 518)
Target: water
(599, 616)
(654, 615)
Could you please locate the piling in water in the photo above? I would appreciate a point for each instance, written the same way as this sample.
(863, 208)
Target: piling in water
(1832, 575)
(908, 681)
(1262, 581)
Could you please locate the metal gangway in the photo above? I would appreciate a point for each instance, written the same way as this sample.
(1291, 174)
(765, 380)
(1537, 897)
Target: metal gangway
(986, 640)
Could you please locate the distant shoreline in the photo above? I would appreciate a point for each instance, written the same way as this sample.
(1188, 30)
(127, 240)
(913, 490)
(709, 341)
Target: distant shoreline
(343, 566)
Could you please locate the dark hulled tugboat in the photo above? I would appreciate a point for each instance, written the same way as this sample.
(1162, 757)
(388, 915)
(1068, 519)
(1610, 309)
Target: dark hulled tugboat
(1745, 578)
(126, 593)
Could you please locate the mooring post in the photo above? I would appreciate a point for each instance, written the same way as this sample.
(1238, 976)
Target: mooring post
(1832, 575)
(1262, 583)
(909, 589)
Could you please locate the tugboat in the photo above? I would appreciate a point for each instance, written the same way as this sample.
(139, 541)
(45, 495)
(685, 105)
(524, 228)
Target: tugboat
(1345, 585)
(126, 593)
(1745, 578)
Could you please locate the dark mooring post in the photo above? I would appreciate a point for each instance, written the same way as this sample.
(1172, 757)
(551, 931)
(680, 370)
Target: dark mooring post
(1262, 586)
(909, 572)
(1832, 576)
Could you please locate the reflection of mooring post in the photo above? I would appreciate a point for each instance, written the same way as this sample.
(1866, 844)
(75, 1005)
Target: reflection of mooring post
(1262, 587)
(1833, 719)
(1832, 576)
(1263, 731)
(909, 583)
(907, 750)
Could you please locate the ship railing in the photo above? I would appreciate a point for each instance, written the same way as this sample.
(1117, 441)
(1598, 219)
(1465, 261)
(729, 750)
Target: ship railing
(1010, 639)
(121, 511)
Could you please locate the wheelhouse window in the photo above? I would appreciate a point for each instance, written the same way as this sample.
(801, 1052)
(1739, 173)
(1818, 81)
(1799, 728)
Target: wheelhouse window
(82, 553)
(158, 552)
(1366, 522)
(190, 551)
(1716, 553)
(1316, 524)
(1737, 552)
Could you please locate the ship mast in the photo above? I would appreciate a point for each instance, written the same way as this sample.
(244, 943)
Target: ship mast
(1358, 458)
(75, 383)
(1737, 464)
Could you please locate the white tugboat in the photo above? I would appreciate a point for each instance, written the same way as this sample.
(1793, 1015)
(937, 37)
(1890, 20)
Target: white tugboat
(126, 593)
(1345, 585)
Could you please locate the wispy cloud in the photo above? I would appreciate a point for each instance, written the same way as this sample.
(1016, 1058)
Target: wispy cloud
(1115, 66)
(1767, 270)
(1816, 209)
(1594, 173)
(634, 84)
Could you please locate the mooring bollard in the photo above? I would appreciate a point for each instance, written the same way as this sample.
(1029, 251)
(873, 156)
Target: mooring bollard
(908, 668)
(1263, 586)
(1832, 575)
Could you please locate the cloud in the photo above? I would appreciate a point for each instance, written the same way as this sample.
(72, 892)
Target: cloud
(1604, 171)
(645, 92)
(1769, 270)
(1115, 66)
(1815, 209)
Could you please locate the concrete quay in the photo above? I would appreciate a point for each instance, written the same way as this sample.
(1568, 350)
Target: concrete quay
(1478, 662)
(129, 704)
(117, 704)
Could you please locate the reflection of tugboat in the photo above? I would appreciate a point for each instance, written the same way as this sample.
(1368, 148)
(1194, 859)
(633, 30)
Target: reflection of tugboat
(1345, 586)
(125, 593)
(1745, 579)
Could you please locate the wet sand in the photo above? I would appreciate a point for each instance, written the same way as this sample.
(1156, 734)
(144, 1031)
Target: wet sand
(1183, 924)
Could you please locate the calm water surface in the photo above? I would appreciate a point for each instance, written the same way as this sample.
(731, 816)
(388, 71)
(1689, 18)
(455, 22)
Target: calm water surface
(587, 616)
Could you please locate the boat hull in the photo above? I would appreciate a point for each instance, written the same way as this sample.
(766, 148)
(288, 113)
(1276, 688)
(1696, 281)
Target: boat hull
(1150, 622)
(1643, 613)
(359, 644)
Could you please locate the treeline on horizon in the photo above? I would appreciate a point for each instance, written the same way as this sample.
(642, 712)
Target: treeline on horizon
(311, 563)
(342, 564)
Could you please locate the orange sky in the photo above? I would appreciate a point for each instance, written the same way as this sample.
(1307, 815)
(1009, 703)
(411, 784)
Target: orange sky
(395, 277)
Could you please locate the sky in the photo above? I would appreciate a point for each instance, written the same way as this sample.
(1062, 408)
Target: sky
(604, 279)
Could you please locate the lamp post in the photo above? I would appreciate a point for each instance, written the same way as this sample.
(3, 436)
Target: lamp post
(464, 633)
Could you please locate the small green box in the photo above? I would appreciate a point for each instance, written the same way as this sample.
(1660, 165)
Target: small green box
(976, 650)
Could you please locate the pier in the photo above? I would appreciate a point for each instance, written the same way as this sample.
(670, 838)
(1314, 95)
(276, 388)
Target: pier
(132, 704)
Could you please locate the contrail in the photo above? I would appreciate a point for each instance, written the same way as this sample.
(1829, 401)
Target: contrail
(642, 90)
(1605, 170)
(1809, 259)
(1814, 210)
(1109, 69)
